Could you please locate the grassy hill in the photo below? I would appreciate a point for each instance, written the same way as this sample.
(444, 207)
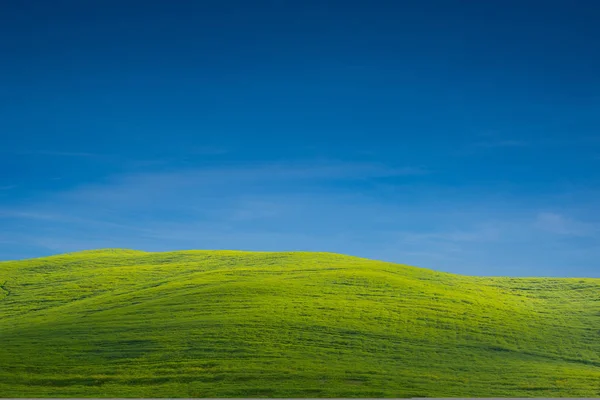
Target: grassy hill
(124, 323)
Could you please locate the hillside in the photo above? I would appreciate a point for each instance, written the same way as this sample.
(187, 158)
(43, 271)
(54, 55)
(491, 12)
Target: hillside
(124, 323)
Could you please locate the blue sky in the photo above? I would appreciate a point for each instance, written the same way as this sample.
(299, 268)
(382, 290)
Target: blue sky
(454, 135)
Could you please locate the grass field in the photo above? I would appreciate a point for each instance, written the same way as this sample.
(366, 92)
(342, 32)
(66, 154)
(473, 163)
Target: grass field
(124, 323)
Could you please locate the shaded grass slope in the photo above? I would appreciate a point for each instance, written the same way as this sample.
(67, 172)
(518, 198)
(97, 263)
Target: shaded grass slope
(125, 323)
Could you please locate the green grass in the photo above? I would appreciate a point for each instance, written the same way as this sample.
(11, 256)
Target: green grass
(124, 323)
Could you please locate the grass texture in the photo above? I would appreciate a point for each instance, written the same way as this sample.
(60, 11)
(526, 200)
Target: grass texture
(125, 323)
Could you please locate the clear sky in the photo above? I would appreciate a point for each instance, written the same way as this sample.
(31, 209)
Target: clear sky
(462, 136)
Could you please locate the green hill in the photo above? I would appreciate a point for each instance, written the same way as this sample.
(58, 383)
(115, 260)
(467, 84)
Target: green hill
(124, 323)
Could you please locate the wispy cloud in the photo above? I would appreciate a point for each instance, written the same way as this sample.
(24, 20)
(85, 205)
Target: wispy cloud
(143, 188)
(59, 153)
(490, 144)
(209, 150)
(496, 139)
(488, 141)
(62, 219)
(16, 214)
(231, 194)
(256, 209)
(474, 235)
(559, 224)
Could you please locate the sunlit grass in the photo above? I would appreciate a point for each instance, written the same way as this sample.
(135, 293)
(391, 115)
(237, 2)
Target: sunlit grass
(124, 323)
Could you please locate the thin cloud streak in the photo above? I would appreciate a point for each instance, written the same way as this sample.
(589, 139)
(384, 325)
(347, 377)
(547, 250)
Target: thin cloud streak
(145, 188)
(559, 224)
(501, 144)
(60, 153)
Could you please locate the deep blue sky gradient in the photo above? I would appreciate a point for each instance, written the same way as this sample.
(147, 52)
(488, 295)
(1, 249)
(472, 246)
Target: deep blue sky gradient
(456, 135)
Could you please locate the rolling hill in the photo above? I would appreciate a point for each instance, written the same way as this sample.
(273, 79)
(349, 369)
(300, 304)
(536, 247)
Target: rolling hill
(125, 323)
